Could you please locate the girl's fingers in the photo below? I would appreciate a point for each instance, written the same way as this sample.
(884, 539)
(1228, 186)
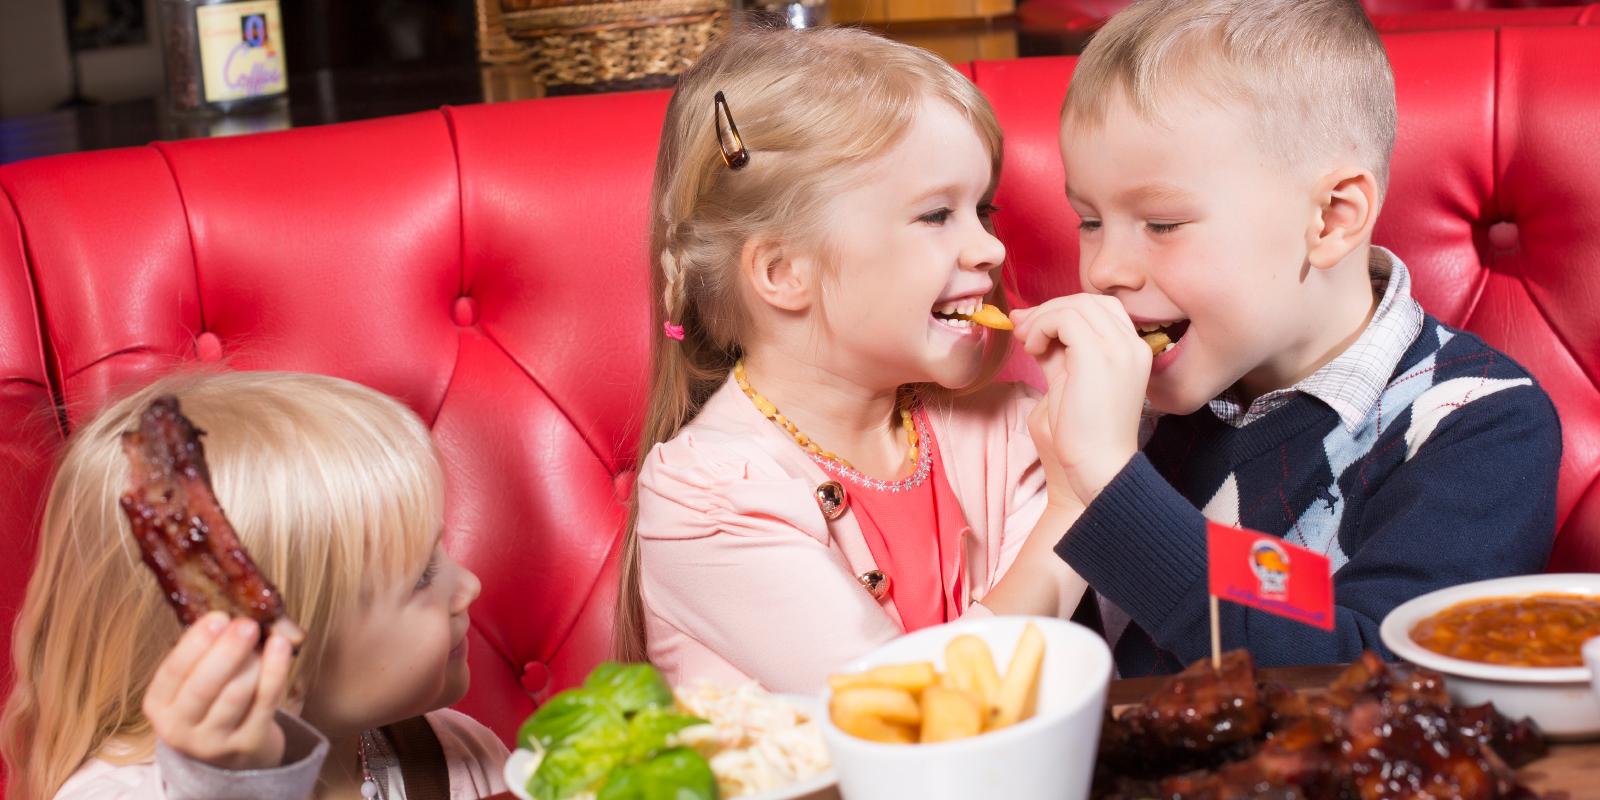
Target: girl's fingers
(175, 668)
(287, 629)
(273, 686)
(235, 700)
(216, 668)
(1109, 320)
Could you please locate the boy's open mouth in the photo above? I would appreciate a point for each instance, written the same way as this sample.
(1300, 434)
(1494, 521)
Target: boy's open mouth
(1163, 336)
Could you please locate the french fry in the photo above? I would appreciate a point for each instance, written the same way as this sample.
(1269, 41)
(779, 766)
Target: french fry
(874, 729)
(889, 705)
(950, 714)
(970, 666)
(991, 317)
(909, 677)
(1019, 689)
(1157, 341)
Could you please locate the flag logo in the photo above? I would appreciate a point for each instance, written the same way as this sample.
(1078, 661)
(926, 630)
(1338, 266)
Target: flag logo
(1270, 562)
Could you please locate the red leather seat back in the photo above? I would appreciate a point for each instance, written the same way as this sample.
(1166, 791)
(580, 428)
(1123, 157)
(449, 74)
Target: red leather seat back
(484, 264)
(1431, 20)
(1491, 193)
(29, 431)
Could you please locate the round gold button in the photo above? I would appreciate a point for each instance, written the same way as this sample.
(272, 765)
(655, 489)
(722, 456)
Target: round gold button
(832, 499)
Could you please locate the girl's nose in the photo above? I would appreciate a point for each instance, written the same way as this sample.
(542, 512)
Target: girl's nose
(984, 253)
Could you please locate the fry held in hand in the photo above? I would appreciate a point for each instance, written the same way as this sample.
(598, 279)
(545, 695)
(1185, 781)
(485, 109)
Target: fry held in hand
(911, 703)
(1157, 340)
(989, 317)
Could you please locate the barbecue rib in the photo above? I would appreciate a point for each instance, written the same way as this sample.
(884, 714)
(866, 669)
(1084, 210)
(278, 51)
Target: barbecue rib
(182, 533)
(1378, 732)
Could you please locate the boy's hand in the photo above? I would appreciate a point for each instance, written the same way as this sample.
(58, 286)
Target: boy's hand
(214, 698)
(1097, 370)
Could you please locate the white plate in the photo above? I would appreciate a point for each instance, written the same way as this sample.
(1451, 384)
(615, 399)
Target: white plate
(1562, 700)
(520, 766)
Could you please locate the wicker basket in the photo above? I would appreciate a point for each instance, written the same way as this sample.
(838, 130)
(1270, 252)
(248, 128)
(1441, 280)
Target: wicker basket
(617, 42)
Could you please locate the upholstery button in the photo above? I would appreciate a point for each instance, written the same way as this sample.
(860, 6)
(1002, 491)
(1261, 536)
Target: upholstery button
(1504, 236)
(207, 347)
(465, 312)
(535, 677)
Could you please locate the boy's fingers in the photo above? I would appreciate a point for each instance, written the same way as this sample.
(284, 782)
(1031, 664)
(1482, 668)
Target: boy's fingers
(191, 646)
(218, 666)
(273, 686)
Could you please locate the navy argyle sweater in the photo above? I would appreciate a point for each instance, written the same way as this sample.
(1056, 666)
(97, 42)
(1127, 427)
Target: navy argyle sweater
(1450, 478)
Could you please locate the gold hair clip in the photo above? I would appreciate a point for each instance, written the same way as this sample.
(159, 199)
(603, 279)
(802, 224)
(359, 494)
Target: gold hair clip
(734, 153)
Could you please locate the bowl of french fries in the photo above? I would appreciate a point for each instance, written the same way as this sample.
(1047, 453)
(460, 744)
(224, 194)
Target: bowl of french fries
(992, 707)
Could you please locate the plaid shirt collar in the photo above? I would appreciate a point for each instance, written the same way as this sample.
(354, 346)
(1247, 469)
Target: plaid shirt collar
(1351, 383)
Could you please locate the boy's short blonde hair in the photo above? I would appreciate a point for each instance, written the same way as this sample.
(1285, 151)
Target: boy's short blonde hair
(1313, 73)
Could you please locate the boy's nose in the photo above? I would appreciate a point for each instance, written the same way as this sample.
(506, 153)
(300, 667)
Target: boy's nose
(1106, 272)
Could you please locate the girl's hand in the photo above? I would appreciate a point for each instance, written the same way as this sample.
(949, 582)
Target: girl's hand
(1097, 370)
(214, 698)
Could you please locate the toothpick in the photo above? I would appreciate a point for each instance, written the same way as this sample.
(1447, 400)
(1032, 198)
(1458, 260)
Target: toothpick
(1216, 637)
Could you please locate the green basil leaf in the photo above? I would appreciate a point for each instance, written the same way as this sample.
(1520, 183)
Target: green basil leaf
(563, 717)
(624, 783)
(629, 687)
(649, 729)
(678, 774)
(567, 771)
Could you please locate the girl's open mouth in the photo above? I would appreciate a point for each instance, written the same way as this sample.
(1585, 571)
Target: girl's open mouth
(957, 314)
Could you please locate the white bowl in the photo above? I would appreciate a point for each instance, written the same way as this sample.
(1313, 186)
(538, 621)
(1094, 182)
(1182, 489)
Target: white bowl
(1049, 756)
(521, 764)
(1560, 699)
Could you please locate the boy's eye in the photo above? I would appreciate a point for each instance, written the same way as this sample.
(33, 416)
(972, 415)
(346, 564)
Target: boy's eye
(1162, 227)
(1087, 225)
(938, 217)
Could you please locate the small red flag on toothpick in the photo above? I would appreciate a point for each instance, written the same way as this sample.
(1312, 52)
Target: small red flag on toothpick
(1266, 573)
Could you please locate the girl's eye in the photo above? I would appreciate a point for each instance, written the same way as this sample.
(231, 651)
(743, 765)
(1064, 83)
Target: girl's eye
(428, 574)
(1162, 227)
(1088, 225)
(939, 217)
(987, 210)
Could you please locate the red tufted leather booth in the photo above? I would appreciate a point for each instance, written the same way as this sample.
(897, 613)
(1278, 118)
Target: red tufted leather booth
(486, 264)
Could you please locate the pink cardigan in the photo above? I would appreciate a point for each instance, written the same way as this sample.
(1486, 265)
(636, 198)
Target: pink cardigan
(743, 577)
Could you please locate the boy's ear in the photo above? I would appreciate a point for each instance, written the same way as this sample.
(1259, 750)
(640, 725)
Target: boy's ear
(1346, 211)
(778, 276)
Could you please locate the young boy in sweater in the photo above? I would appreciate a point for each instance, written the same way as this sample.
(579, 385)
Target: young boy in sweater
(1228, 159)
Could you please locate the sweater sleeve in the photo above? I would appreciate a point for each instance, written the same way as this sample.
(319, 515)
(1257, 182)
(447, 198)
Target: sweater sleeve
(183, 777)
(1476, 500)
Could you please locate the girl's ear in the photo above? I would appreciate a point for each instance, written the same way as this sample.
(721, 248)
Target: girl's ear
(778, 275)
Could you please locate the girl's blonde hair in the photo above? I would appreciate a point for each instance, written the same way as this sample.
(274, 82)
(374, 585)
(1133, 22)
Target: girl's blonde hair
(334, 489)
(811, 106)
